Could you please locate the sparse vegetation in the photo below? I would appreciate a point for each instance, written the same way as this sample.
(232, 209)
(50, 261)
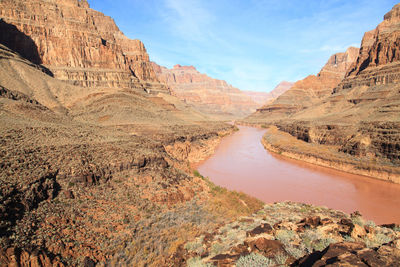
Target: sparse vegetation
(254, 260)
(197, 262)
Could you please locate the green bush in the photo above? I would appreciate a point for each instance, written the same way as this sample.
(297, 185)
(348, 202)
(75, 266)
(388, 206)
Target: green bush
(358, 220)
(322, 244)
(197, 174)
(377, 240)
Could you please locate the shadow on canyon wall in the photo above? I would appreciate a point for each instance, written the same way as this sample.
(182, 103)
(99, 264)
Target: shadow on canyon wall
(21, 43)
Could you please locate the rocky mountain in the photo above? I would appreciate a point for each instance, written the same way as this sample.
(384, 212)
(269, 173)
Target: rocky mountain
(311, 90)
(359, 118)
(214, 97)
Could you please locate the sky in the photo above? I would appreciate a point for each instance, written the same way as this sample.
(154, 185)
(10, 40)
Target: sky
(252, 44)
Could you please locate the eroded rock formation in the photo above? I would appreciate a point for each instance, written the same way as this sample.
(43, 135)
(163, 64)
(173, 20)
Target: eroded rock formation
(78, 44)
(311, 90)
(210, 96)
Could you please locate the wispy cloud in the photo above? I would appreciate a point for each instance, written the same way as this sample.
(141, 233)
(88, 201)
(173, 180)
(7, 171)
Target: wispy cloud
(330, 48)
(187, 18)
(252, 44)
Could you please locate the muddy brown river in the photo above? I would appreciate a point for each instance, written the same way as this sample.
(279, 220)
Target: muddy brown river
(241, 163)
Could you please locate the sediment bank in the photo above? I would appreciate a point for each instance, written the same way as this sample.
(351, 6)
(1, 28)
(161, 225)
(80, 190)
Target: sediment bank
(286, 145)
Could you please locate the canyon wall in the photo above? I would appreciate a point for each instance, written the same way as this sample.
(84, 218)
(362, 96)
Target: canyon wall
(311, 90)
(211, 96)
(78, 44)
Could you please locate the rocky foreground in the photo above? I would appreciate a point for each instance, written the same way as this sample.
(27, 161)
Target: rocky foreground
(293, 234)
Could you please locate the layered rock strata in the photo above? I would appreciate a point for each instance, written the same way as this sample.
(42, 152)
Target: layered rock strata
(211, 96)
(379, 59)
(78, 44)
(309, 91)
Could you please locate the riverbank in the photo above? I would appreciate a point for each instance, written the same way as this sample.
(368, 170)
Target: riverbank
(289, 146)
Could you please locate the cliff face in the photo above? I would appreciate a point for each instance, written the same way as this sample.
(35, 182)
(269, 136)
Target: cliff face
(78, 44)
(311, 90)
(379, 59)
(211, 96)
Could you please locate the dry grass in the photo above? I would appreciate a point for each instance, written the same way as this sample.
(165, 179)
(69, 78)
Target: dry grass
(230, 204)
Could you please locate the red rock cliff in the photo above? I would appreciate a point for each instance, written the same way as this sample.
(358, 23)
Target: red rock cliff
(313, 88)
(79, 44)
(211, 96)
(378, 62)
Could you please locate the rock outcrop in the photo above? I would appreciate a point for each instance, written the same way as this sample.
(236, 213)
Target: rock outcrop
(292, 234)
(78, 44)
(379, 59)
(210, 96)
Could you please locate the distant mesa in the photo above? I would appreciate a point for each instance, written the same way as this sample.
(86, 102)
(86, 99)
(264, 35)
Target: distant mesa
(214, 97)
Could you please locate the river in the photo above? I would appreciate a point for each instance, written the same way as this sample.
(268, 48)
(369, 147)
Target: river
(241, 163)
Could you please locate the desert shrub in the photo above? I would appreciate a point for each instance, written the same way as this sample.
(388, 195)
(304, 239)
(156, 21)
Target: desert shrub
(348, 238)
(197, 262)
(285, 236)
(281, 259)
(377, 240)
(295, 252)
(195, 246)
(370, 224)
(231, 204)
(217, 248)
(381, 239)
(197, 174)
(322, 244)
(254, 260)
(358, 220)
(310, 239)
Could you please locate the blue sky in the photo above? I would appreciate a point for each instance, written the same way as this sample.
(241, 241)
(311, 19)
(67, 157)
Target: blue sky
(252, 44)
